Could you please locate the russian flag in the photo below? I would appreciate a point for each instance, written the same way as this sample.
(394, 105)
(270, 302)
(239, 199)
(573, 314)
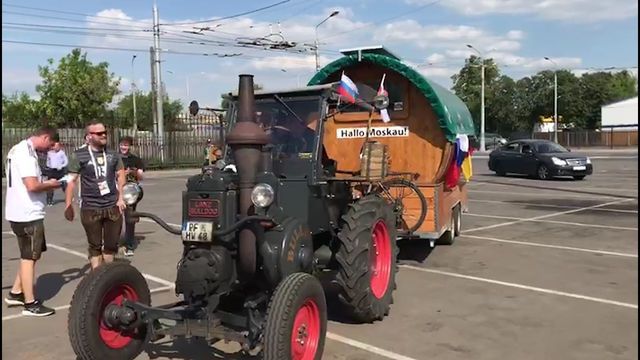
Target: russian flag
(347, 89)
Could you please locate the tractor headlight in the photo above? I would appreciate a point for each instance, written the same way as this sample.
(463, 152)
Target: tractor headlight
(130, 193)
(558, 162)
(262, 195)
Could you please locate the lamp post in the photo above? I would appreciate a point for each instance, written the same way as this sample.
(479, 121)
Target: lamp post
(133, 94)
(555, 99)
(482, 140)
(316, 31)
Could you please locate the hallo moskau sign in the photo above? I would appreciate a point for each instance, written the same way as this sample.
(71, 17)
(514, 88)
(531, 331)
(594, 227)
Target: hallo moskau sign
(383, 131)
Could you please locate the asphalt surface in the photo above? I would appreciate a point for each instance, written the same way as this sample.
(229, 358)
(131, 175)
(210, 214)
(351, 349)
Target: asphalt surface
(543, 270)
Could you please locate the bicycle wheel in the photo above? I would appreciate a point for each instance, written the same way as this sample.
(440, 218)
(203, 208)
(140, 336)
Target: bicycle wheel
(409, 203)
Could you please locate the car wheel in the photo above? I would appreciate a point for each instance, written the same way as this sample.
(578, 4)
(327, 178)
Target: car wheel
(498, 169)
(579, 177)
(543, 172)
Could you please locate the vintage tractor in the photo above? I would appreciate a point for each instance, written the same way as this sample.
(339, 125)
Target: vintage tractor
(259, 229)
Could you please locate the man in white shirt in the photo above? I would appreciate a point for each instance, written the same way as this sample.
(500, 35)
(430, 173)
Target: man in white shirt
(57, 162)
(24, 209)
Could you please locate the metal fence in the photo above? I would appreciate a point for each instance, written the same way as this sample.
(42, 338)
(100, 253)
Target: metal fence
(184, 147)
(610, 138)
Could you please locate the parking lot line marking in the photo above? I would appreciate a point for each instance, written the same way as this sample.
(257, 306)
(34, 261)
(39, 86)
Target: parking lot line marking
(556, 222)
(84, 256)
(367, 347)
(549, 205)
(64, 307)
(559, 196)
(524, 287)
(546, 216)
(527, 243)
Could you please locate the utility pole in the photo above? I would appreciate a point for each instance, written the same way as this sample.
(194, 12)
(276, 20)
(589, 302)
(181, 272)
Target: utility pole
(482, 110)
(154, 90)
(316, 40)
(133, 95)
(158, 71)
(555, 99)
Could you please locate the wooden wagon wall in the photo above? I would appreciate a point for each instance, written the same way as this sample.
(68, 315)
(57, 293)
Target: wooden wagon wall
(421, 152)
(425, 151)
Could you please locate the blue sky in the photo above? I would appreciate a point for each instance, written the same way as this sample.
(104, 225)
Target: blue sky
(431, 35)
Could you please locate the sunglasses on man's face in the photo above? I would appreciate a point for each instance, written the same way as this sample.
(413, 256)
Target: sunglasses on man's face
(99, 133)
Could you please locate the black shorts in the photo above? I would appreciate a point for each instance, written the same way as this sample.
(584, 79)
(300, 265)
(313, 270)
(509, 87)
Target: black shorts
(102, 227)
(31, 239)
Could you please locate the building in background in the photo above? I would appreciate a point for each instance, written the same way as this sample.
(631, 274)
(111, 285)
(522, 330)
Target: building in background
(620, 116)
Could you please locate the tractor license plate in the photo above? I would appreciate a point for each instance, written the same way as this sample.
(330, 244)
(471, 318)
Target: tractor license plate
(197, 231)
(579, 168)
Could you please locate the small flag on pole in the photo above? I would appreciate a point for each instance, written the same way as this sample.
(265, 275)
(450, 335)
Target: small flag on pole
(348, 89)
(381, 91)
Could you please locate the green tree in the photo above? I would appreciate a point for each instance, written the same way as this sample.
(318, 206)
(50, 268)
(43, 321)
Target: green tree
(76, 91)
(20, 109)
(171, 109)
(602, 88)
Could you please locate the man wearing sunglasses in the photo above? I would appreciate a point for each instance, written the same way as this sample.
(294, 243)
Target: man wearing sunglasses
(101, 175)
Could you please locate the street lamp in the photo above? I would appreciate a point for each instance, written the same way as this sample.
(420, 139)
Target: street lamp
(555, 99)
(316, 31)
(133, 94)
(482, 142)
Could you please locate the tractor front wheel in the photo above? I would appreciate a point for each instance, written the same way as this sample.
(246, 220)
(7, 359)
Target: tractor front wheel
(296, 324)
(366, 259)
(92, 338)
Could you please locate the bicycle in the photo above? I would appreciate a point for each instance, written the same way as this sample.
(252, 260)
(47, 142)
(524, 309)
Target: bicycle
(394, 190)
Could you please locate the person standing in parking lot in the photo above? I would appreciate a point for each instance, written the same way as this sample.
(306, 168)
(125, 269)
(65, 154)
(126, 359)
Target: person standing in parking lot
(102, 177)
(24, 209)
(134, 170)
(57, 162)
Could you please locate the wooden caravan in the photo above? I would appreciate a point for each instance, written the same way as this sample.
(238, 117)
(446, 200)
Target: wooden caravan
(425, 120)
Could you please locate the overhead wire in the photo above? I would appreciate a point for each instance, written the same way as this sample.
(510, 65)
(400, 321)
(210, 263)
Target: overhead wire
(228, 17)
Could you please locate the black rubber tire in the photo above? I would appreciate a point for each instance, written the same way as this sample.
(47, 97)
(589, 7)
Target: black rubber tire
(579, 177)
(541, 171)
(457, 220)
(449, 236)
(498, 169)
(423, 202)
(82, 321)
(289, 296)
(353, 258)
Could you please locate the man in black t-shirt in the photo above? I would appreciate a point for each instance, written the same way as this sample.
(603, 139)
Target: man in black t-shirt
(101, 175)
(134, 169)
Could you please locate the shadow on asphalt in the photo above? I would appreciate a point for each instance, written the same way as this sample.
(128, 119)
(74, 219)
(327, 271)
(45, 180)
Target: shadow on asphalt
(192, 349)
(49, 285)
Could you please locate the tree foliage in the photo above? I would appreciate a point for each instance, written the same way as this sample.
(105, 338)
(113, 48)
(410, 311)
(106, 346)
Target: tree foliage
(76, 91)
(144, 112)
(20, 109)
(519, 105)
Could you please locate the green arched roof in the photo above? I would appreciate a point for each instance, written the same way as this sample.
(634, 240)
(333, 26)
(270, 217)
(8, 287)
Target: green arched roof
(453, 115)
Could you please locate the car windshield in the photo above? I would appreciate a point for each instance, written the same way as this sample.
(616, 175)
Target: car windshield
(549, 147)
(290, 123)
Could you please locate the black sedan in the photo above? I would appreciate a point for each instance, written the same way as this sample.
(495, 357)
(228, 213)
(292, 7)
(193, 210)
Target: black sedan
(541, 158)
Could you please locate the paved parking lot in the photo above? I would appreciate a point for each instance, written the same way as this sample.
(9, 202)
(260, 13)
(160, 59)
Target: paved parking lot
(543, 270)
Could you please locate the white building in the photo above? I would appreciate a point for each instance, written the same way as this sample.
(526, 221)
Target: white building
(620, 114)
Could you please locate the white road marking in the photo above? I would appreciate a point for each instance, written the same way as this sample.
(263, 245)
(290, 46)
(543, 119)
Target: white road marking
(548, 205)
(545, 216)
(84, 256)
(367, 347)
(170, 285)
(528, 243)
(524, 287)
(556, 194)
(518, 184)
(555, 222)
(64, 307)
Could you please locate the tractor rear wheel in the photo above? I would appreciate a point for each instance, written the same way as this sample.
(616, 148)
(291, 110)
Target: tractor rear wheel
(296, 324)
(90, 336)
(367, 259)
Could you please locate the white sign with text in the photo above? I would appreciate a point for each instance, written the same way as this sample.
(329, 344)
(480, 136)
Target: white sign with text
(383, 131)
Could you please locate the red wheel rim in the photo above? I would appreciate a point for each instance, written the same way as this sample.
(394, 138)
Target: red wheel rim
(380, 259)
(114, 338)
(305, 334)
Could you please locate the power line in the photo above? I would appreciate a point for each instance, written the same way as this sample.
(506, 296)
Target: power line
(65, 12)
(48, 17)
(227, 17)
(73, 27)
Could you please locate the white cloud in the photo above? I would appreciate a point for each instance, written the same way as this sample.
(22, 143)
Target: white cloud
(577, 11)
